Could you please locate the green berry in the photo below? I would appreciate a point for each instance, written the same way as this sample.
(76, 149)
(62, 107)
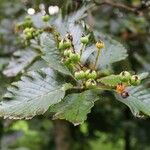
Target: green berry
(135, 80)
(67, 44)
(46, 18)
(74, 57)
(90, 83)
(125, 76)
(92, 75)
(26, 30)
(87, 72)
(85, 39)
(67, 52)
(29, 35)
(79, 75)
(64, 44)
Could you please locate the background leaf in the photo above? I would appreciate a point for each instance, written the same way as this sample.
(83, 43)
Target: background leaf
(20, 60)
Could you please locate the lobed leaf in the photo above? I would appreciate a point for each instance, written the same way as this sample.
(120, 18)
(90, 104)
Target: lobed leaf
(75, 107)
(32, 95)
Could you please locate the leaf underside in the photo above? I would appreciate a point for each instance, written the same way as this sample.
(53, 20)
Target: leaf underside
(75, 107)
(32, 95)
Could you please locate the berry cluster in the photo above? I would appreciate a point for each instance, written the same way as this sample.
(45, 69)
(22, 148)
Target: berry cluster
(31, 33)
(71, 59)
(127, 79)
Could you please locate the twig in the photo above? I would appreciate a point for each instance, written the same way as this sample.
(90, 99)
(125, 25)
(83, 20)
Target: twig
(119, 5)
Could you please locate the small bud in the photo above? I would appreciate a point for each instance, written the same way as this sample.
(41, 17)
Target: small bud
(135, 80)
(100, 45)
(125, 76)
(46, 18)
(85, 39)
(90, 83)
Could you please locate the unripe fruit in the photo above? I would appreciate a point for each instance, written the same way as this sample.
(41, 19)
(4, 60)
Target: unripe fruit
(46, 18)
(64, 44)
(79, 75)
(67, 44)
(26, 30)
(125, 76)
(92, 75)
(67, 52)
(29, 35)
(100, 45)
(85, 39)
(90, 83)
(74, 57)
(135, 80)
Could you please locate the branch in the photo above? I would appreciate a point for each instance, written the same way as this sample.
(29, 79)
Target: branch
(119, 5)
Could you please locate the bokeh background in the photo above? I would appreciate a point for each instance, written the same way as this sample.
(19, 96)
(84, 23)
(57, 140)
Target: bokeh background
(110, 125)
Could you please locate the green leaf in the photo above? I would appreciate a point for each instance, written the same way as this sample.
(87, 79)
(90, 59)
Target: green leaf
(138, 100)
(75, 107)
(52, 55)
(32, 95)
(111, 80)
(19, 62)
(3, 62)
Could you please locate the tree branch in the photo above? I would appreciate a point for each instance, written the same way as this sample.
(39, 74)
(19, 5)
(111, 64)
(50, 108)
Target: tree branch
(119, 5)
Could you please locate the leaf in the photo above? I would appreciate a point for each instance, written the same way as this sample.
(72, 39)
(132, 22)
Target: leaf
(32, 95)
(138, 100)
(113, 51)
(52, 55)
(143, 75)
(75, 107)
(111, 80)
(19, 62)
(3, 62)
